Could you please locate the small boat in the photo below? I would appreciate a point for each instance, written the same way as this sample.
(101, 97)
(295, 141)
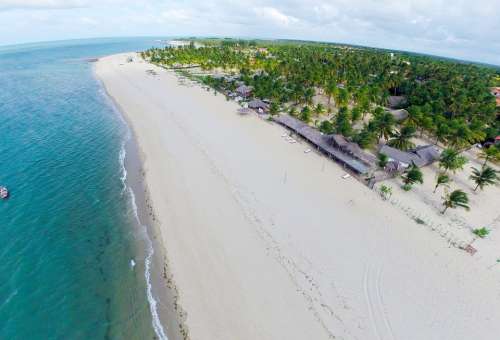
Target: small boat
(4, 193)
(307, 151)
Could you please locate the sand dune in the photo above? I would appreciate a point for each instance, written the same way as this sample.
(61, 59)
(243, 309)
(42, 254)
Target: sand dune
(268, 242)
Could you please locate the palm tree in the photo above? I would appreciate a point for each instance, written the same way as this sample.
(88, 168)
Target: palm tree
(484, 176)
(342, 98)
(413, 175)
(382, 160)
(305, 114)
(383, 123)
(401, 139)
(456, 199)
(319, 109)
(451, 159)
(490, 154)
(308, 95)
(274, 108)
(442, 179)
(330, 90)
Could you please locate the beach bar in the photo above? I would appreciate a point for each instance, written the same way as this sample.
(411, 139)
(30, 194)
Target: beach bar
(322, 143)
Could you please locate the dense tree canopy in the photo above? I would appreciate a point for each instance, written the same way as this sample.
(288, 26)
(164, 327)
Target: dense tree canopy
(449, 100)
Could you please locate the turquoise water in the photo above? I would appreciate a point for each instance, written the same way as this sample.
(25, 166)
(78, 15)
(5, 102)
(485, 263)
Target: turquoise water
(68, 233)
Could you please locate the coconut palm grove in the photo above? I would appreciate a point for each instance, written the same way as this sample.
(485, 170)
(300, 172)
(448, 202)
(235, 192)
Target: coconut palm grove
(447, 100)
(370, 97)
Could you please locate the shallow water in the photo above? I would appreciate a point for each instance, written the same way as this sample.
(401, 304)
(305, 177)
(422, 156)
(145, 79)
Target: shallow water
(68, 234)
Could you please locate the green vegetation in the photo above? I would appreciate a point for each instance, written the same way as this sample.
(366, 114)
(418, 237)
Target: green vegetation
(484, 176)
(383, 123)
(326, 127)
(448, 101)
(455, 199)
(305, 114)
(491, 154)
(451, 159)
(481, 232)
(442, 180)
(386, 191)
(382, 160)
(412, 175)
(274, 108)
(401, 139)
(342, 122)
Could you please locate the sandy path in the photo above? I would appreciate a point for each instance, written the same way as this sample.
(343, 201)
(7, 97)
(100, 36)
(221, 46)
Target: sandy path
(267, 242)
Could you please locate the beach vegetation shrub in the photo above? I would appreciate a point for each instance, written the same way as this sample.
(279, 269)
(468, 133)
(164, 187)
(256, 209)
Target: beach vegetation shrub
(481, 232)
(382, 160)
(413, 175)
(319, 109)
(385, 191)
(406, 187)
(305, 114)
(326, 127)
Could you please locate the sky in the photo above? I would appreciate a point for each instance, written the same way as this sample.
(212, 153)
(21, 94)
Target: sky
(462, 29)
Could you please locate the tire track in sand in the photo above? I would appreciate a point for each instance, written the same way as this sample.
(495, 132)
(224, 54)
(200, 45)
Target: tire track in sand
(381, 325)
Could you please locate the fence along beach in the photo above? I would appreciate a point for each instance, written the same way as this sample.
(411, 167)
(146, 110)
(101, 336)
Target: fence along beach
(315, 256)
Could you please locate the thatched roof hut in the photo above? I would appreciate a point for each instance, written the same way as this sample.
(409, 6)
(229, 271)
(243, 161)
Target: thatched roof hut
(244, 90)
(395, 102)
(420, 156)
(323, 143)
(258, 104)
(399, 115)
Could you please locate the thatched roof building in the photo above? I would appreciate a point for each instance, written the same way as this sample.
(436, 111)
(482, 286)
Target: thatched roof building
(351, 148)
(428, 153)
(395, 102)
(257, 104)
(420, 156)
(323, 143)
(244, 90)
(399, 115)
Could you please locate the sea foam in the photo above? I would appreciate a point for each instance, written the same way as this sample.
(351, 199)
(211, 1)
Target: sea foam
(156, 323)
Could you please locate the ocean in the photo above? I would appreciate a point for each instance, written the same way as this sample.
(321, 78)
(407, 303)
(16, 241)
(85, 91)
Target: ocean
(74, 260)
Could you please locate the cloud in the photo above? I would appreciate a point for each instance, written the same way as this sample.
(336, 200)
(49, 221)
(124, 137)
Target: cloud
(176, 14)
(89, 21)
(460, 28)
(275, 16)
(41, 4)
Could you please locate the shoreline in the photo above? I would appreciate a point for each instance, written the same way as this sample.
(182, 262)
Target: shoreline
(168, 323)
(168, 320)
(265, 244)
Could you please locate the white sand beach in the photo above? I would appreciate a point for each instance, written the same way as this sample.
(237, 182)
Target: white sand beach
(265, 241)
